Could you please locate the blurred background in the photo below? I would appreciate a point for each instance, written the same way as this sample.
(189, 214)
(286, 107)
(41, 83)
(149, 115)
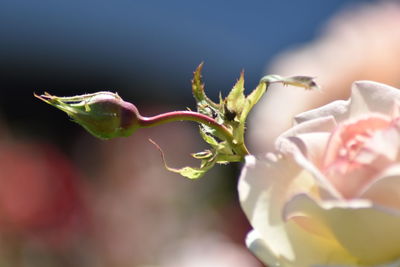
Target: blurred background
(68, 199)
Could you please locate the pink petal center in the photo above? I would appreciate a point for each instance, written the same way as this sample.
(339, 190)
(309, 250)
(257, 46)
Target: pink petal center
(358, 150)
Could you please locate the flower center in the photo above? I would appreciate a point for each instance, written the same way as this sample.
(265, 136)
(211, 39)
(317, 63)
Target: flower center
(353, 148)
(356, 152)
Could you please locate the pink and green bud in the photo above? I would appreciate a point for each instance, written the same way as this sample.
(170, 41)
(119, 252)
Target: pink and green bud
(103, 114)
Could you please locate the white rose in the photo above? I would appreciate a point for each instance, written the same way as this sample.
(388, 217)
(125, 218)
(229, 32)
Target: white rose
(330, 193)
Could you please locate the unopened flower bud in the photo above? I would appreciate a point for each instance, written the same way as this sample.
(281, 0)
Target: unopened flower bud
(103, 114)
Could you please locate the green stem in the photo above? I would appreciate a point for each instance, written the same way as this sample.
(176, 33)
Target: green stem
(239, 149)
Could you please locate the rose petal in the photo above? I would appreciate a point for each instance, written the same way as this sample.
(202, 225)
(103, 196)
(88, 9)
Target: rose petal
(262, 251)
(312, 146)
(264, 187)
(385, 190)
(366, 97)
(262, 198)
(310, 137)
(311, 248)
(349, 130)
(391, 264)
(322, 124)
(338, 109)
(368, 232)
(385, 143)
(325, 188)
(358, 150)
(370, 96)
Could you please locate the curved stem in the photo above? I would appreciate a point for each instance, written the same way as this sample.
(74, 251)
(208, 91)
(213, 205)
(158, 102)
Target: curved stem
(240, 149)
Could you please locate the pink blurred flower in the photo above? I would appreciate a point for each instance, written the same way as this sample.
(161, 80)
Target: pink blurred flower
(39, 193)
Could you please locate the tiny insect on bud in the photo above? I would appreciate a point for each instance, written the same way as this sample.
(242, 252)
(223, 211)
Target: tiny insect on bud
(103, 114)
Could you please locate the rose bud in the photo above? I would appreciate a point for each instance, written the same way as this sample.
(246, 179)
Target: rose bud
(103, 114)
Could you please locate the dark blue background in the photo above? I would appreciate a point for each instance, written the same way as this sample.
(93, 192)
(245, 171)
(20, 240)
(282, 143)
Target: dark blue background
(144, 49)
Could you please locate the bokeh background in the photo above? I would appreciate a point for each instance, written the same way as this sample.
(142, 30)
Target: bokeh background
(68, 199)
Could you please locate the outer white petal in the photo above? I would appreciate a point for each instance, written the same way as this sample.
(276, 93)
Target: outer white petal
(295, 147)
(385, 190)
(323, 124)
(391, 264)
(338, 109)
(262, 251)
(262, 199)
(264, 187)
(368, 232)
(367, 96)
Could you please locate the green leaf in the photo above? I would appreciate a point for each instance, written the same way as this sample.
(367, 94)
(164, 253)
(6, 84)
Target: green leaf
(198, 90)
(247, 105)
(224, 159)
(235, 100)
(205, 105)
(208, 139)
(197, 84)
(190, 172)
(252, 99)
(207, 154)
